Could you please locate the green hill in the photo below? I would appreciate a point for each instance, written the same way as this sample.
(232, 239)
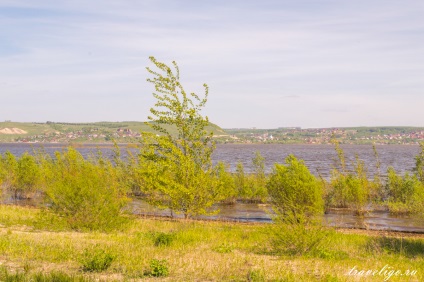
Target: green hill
(96, 132)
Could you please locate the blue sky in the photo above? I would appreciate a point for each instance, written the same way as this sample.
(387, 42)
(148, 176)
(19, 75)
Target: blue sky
(308, 63)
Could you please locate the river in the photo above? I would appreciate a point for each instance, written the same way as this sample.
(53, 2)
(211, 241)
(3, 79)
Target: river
(320, 159)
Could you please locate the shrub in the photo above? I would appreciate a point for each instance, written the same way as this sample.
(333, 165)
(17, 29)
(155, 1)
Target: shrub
(95, 259)
(405, 193)
(252, 187)
(27, 176)
(296, 197)
(163, 239)
(225, 182)
(86, 194)
(9, 167)
(255, 275)
(297, 235)
(349, 189)
(419, 164)
(158, 268)
(294, 190)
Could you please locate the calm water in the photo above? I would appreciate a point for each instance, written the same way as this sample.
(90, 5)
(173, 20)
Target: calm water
(319, 158)
(245, 212)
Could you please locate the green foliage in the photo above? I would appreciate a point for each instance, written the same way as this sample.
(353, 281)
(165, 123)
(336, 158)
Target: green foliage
(163, 239)
(419, 164)
(176, 171)
(9, 167)
(255, 275)
(223, 248)
(252, 187)
(28, 175)
(296, 197)
(159, 268)
(226, 182)
(349, 189)
(87, 194)
(294, 190)
(405, 193)
(297, 234)
(96, 259)
(20, 176)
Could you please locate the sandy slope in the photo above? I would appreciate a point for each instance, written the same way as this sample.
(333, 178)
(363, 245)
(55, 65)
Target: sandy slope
(12, 131)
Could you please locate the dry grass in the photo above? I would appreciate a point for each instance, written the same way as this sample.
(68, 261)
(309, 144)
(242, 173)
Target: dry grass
(199, 251)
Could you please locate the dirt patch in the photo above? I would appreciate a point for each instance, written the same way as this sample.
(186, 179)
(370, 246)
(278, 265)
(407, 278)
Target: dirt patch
(12, 131)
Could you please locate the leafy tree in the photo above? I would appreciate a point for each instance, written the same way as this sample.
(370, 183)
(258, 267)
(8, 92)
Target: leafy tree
(176, 168)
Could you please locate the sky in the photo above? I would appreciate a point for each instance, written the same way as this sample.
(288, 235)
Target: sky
(268, 64)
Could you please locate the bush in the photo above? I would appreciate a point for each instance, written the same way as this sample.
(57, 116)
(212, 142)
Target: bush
(158, 268)
(27, 176)
(349, 189)
(405, 193)
(294, 190)
(87, 194)
(297, 235)
(255, 276)
(296, 197)
(225, 182)
(252, 187)
(96, 259)
(419, 164)
(163, 239)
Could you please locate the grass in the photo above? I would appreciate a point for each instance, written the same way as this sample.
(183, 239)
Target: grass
(198, 250)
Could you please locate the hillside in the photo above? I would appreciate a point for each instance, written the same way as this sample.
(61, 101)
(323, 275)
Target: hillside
(348, 135)
(97, 132)
(129, 132)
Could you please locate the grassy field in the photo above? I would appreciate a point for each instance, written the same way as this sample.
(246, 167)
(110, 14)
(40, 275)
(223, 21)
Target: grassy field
(34, 246)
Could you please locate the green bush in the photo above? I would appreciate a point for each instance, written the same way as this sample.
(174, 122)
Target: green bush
(163, 239)
(9, 167)
(419, 164)
(252, 187)
(27, 176)
(95, 259)
(87, 194)
(294, 190)
(296, 197)
(158, 268)
(296, 235)
(405, 193)
(349, 189)
(226, 182)
(255, 275)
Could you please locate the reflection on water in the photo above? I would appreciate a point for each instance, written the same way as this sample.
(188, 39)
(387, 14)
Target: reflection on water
(245, 212)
